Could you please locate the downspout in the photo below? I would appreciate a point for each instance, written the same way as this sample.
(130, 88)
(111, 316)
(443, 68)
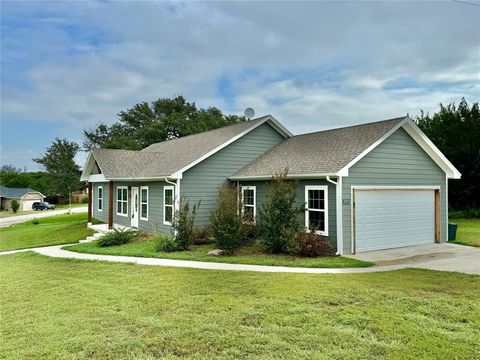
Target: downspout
(338, 187)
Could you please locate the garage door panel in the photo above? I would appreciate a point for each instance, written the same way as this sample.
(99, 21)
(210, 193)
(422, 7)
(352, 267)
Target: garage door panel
(387, 219)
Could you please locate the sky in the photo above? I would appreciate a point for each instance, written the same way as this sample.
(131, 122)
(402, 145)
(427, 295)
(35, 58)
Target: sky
(66, 66)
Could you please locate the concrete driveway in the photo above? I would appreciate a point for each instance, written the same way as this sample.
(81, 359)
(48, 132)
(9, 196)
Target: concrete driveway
(39, 214)
(443, 257)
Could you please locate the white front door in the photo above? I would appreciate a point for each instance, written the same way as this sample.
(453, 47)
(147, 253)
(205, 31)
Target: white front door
(134, 207)
(386, 219)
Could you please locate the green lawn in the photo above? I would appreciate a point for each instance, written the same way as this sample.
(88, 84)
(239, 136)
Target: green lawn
(59, 229)
(245, 255)
(468, 232)
(68, 309)
(4, 214)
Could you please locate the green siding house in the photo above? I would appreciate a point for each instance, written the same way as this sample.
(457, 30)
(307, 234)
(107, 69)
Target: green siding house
(367, 187)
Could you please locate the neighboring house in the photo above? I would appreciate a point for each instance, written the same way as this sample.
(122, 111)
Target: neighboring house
(366, 187)
(25, 197)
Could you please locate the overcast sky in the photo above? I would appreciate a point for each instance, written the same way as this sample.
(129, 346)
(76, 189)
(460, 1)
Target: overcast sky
(65, 66)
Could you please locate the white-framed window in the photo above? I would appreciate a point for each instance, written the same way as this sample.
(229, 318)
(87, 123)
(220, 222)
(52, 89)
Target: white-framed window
(316, 208)
(100, 198)
(144, 203)
(249, 203)
(168, 204)
(122, 200)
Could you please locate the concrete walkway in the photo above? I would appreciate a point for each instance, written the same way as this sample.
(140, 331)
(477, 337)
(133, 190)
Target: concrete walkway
(471, 264)
(39, 214)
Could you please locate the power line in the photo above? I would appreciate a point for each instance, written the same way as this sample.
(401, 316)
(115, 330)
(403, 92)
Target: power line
(465, 2)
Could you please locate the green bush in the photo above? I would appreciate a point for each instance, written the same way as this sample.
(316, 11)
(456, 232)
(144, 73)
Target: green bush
(116, 237)
(35, 221)
(225, 222)
(183, 225)
(15, 205)
(278, 218)
(202, 236)
(84, 199)
(250, 232)
(311, 244)
(165, 242)
(467, 214)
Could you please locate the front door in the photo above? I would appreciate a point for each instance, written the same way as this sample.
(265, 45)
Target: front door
(134, 219)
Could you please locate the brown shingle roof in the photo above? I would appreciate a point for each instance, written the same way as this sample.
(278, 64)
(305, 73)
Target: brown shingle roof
(323, 152)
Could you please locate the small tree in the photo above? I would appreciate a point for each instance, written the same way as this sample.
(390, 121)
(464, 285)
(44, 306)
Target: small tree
(225, 221)
(15, 206)
(279, 223)
(183, 224)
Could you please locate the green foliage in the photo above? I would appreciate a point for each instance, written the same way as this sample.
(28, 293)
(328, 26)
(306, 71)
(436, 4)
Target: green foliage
(35, 221)
(465, 214)
(278, 218)
(225, 222)
(15, 205)
(456, 132)
(84, 199)
(116, 237)
(59, 162)
(163, 119)
(201, 235)
(40, 181)
(165, 243)
(183, 224)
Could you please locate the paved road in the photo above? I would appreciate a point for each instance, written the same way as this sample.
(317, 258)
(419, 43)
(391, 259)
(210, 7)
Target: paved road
(466, 260)
(39, 214)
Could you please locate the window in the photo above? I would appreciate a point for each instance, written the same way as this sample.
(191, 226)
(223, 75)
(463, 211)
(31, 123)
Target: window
(122, 200)
(100, 198)
(316, 209)
(249, 202)
(144, 203)
(168, 196)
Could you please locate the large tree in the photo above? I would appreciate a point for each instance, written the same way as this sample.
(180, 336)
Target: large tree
(455, 130)
(59, 162)
(163, 119)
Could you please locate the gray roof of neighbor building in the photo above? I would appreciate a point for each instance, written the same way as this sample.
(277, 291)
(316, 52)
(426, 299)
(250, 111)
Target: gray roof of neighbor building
(165, 158)
(323, 152)
(15, 192)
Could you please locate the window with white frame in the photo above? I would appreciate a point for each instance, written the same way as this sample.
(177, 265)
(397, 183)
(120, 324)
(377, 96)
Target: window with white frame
(249, 210)
(122, 200)
(168, 204)
(316, 209)
(100, 198)
(144, 202)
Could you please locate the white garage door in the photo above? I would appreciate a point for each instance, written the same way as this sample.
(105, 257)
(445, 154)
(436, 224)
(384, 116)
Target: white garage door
(27, 204)
(387, 219)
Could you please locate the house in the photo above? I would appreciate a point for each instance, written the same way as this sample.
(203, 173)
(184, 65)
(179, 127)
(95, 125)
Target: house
(25, 197)
(372, 186)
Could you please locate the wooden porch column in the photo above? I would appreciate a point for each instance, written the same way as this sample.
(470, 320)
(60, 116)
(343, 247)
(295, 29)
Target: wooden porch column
(89, 219)
(110, 205)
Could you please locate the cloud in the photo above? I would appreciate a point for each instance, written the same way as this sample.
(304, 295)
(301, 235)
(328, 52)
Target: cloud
(311, 64)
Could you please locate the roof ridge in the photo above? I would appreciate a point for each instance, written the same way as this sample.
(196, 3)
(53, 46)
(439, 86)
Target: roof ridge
(351, 126)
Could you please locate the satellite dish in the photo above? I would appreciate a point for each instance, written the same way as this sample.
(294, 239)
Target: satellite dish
(249, 113)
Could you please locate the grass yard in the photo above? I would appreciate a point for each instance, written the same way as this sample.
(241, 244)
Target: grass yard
(69, 309)
(5, 214)
(468, 232)
(54, 230)
(245, 255)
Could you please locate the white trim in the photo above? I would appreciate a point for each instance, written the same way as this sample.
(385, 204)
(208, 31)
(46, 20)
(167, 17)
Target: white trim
(393, 187)
(289, 176)
(254, 188)
(120, 187)
(165, 188)
(270, 119)
(446, 207)
(151, 178)
(97, 178)
(87, 168)
(324, 188)
(147, 203)
(99, 198)
(30, 192)
(339, 210)
(427, 145)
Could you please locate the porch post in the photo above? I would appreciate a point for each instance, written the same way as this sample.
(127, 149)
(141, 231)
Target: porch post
(89, 219)
(110, 205)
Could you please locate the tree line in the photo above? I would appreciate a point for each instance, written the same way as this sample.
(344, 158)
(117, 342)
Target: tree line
(455, 130)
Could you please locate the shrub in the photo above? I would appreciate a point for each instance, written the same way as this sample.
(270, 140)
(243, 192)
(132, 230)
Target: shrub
(15, 205)
(35, 221)
(116, 237)
(250, 232)
(311, 244)
(278, 218)
(201, 236)
(183, 223)
(84, 199)
(467, 214)
(165, 242)
(225, 222)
